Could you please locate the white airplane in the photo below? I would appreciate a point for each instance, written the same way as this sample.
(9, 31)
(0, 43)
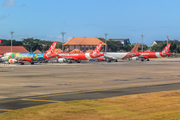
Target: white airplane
(110, 56)
(114, 56)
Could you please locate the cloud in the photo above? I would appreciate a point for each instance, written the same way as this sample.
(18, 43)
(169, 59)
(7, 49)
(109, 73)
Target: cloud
(8, 3)
(4, 17)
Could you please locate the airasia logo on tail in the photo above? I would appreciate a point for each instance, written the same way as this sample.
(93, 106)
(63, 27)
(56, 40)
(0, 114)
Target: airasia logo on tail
(166, 49)
(97, 50)
(51, 49)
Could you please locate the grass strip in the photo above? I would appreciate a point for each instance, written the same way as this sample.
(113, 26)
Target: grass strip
(149, 106)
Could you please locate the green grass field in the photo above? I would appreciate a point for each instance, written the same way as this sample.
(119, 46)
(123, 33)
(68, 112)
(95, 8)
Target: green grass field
(149, 106)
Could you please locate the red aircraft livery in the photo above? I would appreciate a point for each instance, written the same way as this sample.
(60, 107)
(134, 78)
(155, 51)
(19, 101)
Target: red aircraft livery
(133, 52)
(50, 53)
(69, 57)
(147, 55)
(31, 57)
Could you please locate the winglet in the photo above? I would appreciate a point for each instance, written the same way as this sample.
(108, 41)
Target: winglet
(133, 52)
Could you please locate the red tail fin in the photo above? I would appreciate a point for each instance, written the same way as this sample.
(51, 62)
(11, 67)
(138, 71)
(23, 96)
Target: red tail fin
(135, 48)
(52, 48)
(50, 53)
(133, 52)
(166, 49)
(97, 49)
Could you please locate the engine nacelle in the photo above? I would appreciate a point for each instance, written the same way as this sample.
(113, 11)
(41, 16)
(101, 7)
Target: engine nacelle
(61, 60)
(12, 61)
(134, 58)
(101, 59)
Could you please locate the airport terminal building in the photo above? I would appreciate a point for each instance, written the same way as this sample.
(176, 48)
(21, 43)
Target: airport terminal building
(83, 44)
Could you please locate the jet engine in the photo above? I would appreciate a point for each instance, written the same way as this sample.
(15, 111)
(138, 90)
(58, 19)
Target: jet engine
(101, 59)
(12, 60)
(134, 58)
(61, 60)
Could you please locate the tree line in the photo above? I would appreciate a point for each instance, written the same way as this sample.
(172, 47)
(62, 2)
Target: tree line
(116, 46)
(175, 46)
(32, 44)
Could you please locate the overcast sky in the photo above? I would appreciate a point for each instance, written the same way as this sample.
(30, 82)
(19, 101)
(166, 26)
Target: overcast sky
(46, 19)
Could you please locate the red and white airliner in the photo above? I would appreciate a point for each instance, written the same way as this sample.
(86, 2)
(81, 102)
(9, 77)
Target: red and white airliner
(69, 57)
(147, 55)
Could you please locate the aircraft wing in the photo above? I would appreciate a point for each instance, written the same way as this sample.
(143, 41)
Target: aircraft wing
(109, 57)
(70, 58)
(143, 56)
(51, 55)
(25, 59)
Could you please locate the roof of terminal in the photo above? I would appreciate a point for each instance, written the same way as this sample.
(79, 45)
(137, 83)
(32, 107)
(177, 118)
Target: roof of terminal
(57, 50)
(83, 41)
(37, 51)
(76, 51)
(5, 49)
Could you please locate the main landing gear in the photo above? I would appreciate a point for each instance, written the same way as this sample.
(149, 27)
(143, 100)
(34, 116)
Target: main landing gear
(108, 60)
(143, 59)
(69, 61)
(78, 61)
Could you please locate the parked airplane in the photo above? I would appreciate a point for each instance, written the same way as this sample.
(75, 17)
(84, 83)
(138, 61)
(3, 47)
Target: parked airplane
(147, 55)
(110, 56)
(30, 57)
(69, 57)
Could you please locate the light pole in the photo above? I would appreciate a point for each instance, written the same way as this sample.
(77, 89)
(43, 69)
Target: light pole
(142, 43)
(11, 39)
(63, 40)
(105, 41)
(43, 47)
(167, 39)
